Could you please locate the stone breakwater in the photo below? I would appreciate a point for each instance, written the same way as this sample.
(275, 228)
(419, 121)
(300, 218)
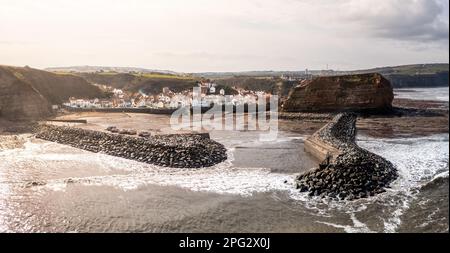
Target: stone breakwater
(178, 150)
(348, 171)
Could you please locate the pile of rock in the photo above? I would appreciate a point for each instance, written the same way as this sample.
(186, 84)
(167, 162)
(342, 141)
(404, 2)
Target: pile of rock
(353, 173)
(179, 151)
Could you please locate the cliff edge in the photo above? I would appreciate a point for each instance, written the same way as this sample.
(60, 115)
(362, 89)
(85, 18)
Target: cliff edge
(27, 94)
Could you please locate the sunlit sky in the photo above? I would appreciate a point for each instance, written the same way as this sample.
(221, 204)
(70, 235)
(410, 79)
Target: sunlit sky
(224, 35)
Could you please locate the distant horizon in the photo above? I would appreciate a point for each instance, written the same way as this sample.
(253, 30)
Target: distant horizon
(237, 71)
(224, 35)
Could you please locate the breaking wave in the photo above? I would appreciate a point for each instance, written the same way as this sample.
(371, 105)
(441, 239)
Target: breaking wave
(420, 161)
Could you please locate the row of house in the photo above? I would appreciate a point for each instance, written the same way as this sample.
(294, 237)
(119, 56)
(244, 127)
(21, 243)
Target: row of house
(168, 99)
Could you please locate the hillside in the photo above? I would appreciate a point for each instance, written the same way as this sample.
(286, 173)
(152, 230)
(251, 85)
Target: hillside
(154, 83)
(94, 69)
(413, 69)
(418, 75)
(151, 83)
(27, 93)
(270, 85)
(414, 75)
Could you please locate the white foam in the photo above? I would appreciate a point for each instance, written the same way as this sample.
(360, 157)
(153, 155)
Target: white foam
(222, 178)
(439, 93)
(418, 160)
(357, 227)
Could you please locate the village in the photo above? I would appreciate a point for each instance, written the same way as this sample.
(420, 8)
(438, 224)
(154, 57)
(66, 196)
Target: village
(206, 94)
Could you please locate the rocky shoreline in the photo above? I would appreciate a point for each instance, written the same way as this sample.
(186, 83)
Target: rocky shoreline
(348, 172)
(178, 151)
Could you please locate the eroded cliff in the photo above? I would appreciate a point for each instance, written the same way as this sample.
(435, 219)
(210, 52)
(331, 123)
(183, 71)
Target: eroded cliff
(27, 93)
(341, 93)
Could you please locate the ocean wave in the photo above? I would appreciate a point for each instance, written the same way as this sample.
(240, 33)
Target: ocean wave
(420, 161)
(437, 181)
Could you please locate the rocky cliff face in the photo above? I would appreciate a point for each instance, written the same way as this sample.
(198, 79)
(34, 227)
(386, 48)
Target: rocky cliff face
(27, 93)
(439, 79)
(19, 99)
(341, 93)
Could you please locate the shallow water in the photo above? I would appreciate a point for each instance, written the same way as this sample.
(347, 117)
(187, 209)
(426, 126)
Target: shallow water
(434, 94)
(49, 187)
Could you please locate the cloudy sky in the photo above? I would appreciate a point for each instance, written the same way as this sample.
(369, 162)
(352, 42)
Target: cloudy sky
(224, 35)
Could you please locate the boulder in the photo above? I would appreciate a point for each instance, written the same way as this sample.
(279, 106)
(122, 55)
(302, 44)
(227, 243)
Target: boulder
(341, 93)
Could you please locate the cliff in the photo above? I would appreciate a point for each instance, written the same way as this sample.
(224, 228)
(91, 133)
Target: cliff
(439, 79)
(27, 93)
(341, 93)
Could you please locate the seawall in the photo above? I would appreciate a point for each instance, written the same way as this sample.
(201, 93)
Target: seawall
(118, 110)
(331, 140)
(241, 108)
(179, 151)
(347, 171)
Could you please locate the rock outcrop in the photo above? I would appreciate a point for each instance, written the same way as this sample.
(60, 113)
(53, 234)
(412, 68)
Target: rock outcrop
(178, 151)
(364, 92)
(27, 93)
(347, 171)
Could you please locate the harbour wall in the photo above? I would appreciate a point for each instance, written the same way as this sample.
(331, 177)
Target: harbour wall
(347, 171)
(176, 150)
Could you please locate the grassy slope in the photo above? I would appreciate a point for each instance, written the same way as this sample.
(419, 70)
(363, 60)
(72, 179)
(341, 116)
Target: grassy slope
(56, 88)
(152, 83)
(416, 69)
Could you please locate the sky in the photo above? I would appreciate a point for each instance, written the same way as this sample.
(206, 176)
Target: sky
(224, 35)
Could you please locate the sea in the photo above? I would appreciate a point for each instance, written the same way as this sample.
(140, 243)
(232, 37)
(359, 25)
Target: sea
(48, 187)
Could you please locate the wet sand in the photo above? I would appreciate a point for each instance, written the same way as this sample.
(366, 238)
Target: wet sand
(374, 126)
(56, 188)
(99, 121)
(428, 118)
(47, 187)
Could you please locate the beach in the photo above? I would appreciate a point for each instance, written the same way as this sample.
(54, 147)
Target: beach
(49, 187)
